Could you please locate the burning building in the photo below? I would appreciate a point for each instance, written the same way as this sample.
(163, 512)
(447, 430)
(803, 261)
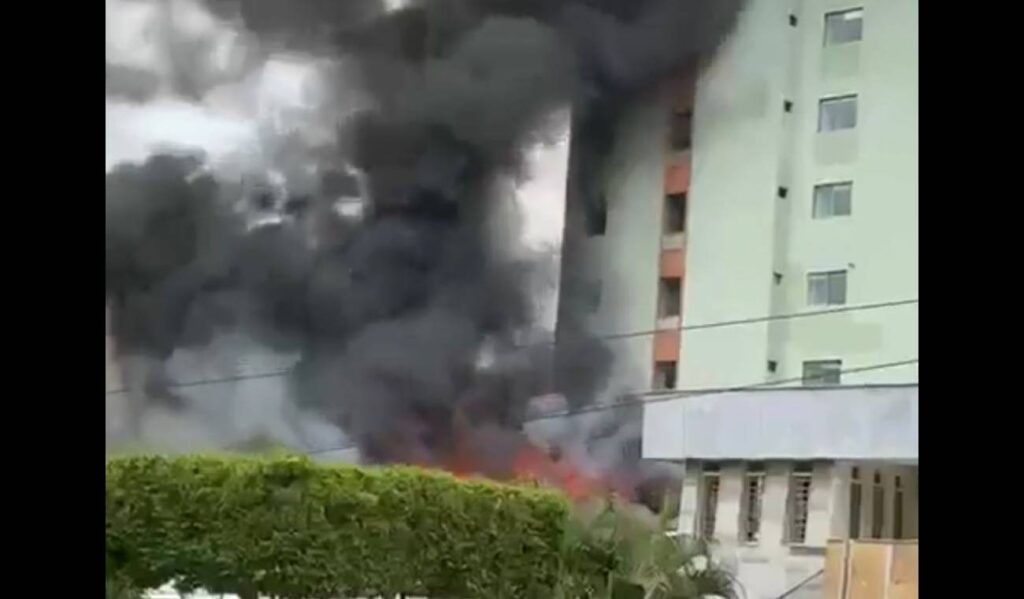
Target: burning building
(757, 225)
(412, 320)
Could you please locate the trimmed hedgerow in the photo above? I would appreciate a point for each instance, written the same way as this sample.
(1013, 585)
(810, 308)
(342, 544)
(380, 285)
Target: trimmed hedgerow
(289, 528)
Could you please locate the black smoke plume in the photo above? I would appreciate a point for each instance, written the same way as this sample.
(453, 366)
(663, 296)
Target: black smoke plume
(409, 318)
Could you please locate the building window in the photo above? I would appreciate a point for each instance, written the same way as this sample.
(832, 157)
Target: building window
(708, 507)
(682, 131)
(826, 288)
(844, 27)
(675, 213)
(798, 504)
(753, 493)
(670, 297)
(897, 510)
(835, 114)
(787, 105)
(597, 216)
(855, 503)
(822, 372)
(772, 365)
(782, 192)
(664, 375)
(877, 508)
(832, 199)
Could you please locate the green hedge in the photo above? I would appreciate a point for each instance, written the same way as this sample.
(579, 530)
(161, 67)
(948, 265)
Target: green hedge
(288, 528)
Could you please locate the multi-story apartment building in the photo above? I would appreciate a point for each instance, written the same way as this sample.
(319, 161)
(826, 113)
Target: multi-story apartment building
(779, 183)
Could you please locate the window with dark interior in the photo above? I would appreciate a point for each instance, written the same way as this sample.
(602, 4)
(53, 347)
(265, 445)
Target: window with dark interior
(675, 213)
(819, 373)
(664, 375)
(836, 114)
(844, 27)
(670, 297)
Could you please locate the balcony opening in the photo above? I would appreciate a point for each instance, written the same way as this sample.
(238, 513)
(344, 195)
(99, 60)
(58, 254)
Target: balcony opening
(664, 376)
(675, 213)
(670, 297)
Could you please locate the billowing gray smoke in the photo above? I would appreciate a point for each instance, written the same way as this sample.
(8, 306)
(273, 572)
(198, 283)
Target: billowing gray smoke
(391, 311)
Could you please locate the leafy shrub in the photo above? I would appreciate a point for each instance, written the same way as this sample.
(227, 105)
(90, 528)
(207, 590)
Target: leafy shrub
(620, 551)
(292, 529)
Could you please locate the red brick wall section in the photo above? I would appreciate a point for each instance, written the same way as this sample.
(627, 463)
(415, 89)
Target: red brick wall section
(666, 346)
(672, 264)
(677, 174)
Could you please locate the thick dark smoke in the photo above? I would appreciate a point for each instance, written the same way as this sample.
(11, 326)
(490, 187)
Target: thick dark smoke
(409, 318)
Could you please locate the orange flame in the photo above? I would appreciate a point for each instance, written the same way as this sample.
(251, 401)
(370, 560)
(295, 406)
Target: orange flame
(503, 454)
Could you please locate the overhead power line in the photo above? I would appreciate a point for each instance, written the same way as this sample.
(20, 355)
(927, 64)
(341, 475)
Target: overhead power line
(648, 397)
(610, 337)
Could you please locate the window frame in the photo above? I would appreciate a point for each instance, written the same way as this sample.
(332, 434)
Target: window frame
(831, 187)
(836, 100)
(669, 200)
(844, 15)
(818, 381)
(826, 277)
(670, 307)
(670, 384)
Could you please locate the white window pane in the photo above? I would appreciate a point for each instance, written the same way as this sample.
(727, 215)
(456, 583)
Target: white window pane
(822, 201)
(841, 205)
(830, 372)
(841, 190)
(817, 289)
(841, 194)
(837, 288)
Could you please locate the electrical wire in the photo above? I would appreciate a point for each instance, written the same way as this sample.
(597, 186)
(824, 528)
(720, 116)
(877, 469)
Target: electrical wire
(611, 337)
(668, 395)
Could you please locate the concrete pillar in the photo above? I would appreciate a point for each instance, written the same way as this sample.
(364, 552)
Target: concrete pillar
(867, 479)
(908, 479)
(688, 497)
(730, 493)
(839, 496)
(889, 484)
(773, 508)
(819, 513)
